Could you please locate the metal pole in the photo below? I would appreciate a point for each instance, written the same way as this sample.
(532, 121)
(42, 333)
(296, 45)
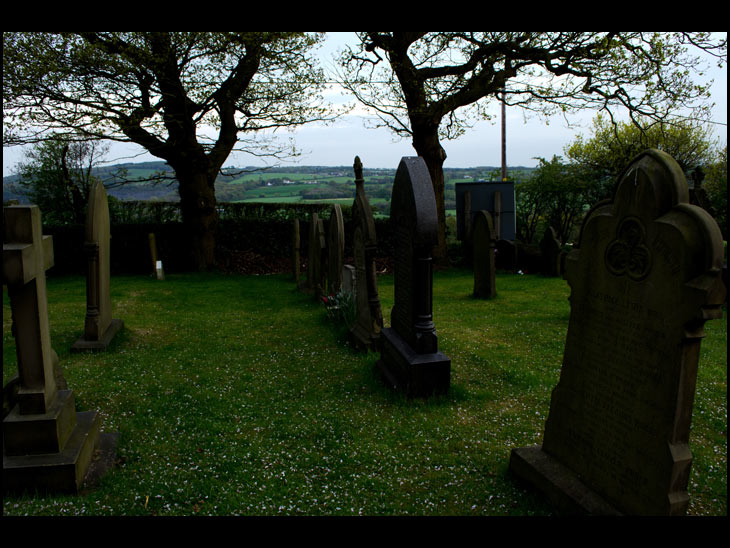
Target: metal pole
(504, 140)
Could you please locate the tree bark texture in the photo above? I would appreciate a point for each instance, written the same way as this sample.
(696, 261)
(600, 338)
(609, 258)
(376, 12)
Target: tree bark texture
(427, 146)
(199, 214)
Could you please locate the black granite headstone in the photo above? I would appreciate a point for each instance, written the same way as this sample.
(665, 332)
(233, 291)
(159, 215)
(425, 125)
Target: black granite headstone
(409, 356)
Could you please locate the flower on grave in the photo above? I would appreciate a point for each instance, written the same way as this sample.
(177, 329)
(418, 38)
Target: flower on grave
(340, 307)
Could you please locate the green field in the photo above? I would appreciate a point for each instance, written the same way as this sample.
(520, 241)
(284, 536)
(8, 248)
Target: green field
(236, 395)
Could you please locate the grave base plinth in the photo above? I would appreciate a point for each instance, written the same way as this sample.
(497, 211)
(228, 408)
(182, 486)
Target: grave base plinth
(560, 485)
(417, 375)
(362, 339)
(102, 343)
(66, 470)
(40, 433)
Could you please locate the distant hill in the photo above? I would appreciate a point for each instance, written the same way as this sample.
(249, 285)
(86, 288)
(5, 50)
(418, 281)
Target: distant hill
(156, 181)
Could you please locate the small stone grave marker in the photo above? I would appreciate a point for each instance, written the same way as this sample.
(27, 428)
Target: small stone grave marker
(295, 250)
(644, 278)
(335, 250)
(497, 221)
(409, 357)
(484, 240)
(157, 269)
(316, 257)
(550, 253)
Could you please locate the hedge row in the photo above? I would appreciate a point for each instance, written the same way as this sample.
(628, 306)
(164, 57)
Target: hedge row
(142, 212)
(130, 250)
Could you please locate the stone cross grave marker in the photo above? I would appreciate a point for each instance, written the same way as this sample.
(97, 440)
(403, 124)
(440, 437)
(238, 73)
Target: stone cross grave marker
(99, 327)
(47, 445)
(335, 250)
(365, 332)
(484, 240)
(550, 253)
(409, 357)
(644, 278)
(316, 257)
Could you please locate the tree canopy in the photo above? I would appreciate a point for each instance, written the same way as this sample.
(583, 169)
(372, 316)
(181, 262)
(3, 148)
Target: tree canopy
(57, 175)
(611, 146)
(189, 98)
(153, 88)
(429, 86)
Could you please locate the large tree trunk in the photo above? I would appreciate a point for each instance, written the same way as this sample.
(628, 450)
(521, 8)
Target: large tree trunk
(428, 147)
(199, 215)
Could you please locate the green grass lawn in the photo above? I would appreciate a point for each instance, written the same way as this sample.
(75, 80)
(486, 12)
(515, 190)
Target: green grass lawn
(235, 395)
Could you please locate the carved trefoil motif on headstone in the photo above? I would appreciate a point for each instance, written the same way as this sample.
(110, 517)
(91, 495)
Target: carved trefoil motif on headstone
(365, 332)
(644, 278)
(409, 356)
(47, 445)
(99, 327)
(627, 253)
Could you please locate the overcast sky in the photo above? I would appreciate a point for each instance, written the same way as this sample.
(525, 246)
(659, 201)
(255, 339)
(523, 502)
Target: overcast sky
(338, 144)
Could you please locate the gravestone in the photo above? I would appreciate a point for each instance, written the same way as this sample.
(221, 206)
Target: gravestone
(497, 197)
(506, 252)
(409, 357)
(698, 194)
(157, 269)
(335, 250)
(484, 240)
(365, 332)
(47, 445)
(348, 279)
(498, 214)
(644, 278)
(550, 253)
(153, 250)
(295, 250)
(467, 216)
(316, 257)
(99, 327)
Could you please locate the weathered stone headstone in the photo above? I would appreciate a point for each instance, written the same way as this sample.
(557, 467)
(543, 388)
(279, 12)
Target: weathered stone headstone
(99, 327)
(153, 250)
(157, 269)
(47, 445)
(484, 240)
(698, 194)
(467, 216)
(348, 279)
(335, 250)
(506, 252)
(498, 214)
(550, 253)
(366, 331)
(409, 356)
(644, 278)
(295, 250)
(316, 257)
